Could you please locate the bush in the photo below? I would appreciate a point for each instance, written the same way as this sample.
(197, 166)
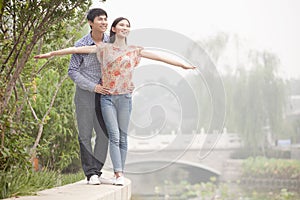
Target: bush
(19, 182)
(261, 167)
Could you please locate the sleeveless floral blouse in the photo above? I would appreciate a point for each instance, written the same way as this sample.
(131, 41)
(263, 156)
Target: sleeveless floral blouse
(117, 65)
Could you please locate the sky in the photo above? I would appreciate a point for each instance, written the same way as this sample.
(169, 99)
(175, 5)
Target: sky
(271, 25)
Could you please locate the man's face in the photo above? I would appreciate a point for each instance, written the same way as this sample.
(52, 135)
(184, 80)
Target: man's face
(99, 24)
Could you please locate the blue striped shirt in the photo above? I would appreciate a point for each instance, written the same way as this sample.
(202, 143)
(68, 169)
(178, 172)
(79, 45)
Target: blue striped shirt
(84, 69)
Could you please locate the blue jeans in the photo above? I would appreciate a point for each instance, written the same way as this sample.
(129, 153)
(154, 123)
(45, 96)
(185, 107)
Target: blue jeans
(116, 110)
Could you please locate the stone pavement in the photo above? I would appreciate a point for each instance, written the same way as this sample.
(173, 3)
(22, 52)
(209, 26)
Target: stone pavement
(82, 191)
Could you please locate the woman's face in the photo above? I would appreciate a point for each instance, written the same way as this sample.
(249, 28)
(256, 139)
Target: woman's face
(122, 29)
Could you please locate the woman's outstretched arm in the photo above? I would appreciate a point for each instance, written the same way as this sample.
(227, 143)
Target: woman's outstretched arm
(70, 50)
(153, 56)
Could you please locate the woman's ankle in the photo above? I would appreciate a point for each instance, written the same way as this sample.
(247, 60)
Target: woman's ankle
(118, 174)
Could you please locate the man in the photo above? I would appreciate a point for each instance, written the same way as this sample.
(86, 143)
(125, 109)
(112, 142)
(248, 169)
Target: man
(84, 70)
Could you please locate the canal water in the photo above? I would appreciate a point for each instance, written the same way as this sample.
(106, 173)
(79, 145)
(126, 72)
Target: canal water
(165, 181)
(177, 181)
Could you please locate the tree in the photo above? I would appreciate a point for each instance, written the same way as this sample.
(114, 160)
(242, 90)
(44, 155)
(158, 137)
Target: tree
(255, 94)
(22, 30)
(27, 27)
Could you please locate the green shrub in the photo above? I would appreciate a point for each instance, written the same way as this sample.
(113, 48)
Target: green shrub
(20, 182)
(262, 167)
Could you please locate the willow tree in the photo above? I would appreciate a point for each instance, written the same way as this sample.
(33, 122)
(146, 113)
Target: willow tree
(260, 99)
(255, 93)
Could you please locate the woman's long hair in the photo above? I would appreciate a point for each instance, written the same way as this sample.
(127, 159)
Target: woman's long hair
(112, 34)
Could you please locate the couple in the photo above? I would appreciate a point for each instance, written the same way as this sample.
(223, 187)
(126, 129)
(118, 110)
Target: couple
(109, 59)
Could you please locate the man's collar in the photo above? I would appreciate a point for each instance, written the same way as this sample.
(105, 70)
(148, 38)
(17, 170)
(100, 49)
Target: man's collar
(91, 41)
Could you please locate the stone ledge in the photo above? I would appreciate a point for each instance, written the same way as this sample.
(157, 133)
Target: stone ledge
(82, 191)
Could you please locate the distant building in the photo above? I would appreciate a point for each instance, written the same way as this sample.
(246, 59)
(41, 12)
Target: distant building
(293, 108)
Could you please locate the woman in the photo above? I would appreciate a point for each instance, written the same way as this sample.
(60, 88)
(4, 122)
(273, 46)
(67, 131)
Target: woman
(117, 63)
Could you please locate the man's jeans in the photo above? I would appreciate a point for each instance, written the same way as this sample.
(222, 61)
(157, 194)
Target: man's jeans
(116, 111)
(89, 118)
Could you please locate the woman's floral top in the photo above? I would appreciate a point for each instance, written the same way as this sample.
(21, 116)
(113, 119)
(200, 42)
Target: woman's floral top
(117, 65)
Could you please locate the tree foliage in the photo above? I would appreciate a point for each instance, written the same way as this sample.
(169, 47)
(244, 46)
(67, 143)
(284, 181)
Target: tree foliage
(255, 93)
(36, 110)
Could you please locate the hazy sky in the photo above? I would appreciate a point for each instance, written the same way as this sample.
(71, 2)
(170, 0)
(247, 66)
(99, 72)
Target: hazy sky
(272, 25)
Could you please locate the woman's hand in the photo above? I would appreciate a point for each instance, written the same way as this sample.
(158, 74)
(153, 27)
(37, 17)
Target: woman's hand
(188, 67)
(45, 55)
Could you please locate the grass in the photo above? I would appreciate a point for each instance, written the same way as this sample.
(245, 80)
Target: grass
(21, 183)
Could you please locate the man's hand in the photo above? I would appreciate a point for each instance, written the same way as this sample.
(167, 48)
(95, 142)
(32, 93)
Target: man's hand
(101, 90)
(131, 87)
(45, 55)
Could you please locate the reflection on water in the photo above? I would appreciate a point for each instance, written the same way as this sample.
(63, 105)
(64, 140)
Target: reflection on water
(155, 184)
(179, 181)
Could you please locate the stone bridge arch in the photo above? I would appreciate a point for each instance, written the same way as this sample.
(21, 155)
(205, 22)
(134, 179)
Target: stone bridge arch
(172, 173)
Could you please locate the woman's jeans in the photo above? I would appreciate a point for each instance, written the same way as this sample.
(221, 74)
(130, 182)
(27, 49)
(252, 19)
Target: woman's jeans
(116, 110)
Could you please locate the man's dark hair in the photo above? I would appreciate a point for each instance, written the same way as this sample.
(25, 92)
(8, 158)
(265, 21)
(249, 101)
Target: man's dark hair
(95, 12)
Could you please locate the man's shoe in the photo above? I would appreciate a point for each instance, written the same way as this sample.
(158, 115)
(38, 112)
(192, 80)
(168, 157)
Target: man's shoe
(120, 180)
(94, 180)
(107, 181)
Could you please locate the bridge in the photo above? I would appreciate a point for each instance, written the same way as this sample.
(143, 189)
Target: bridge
(207, 150)
(194, 158)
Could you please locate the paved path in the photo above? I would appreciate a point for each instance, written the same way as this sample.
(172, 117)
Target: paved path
(82, 191)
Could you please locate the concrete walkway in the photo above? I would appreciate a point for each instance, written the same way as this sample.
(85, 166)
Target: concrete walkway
(82, 191)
